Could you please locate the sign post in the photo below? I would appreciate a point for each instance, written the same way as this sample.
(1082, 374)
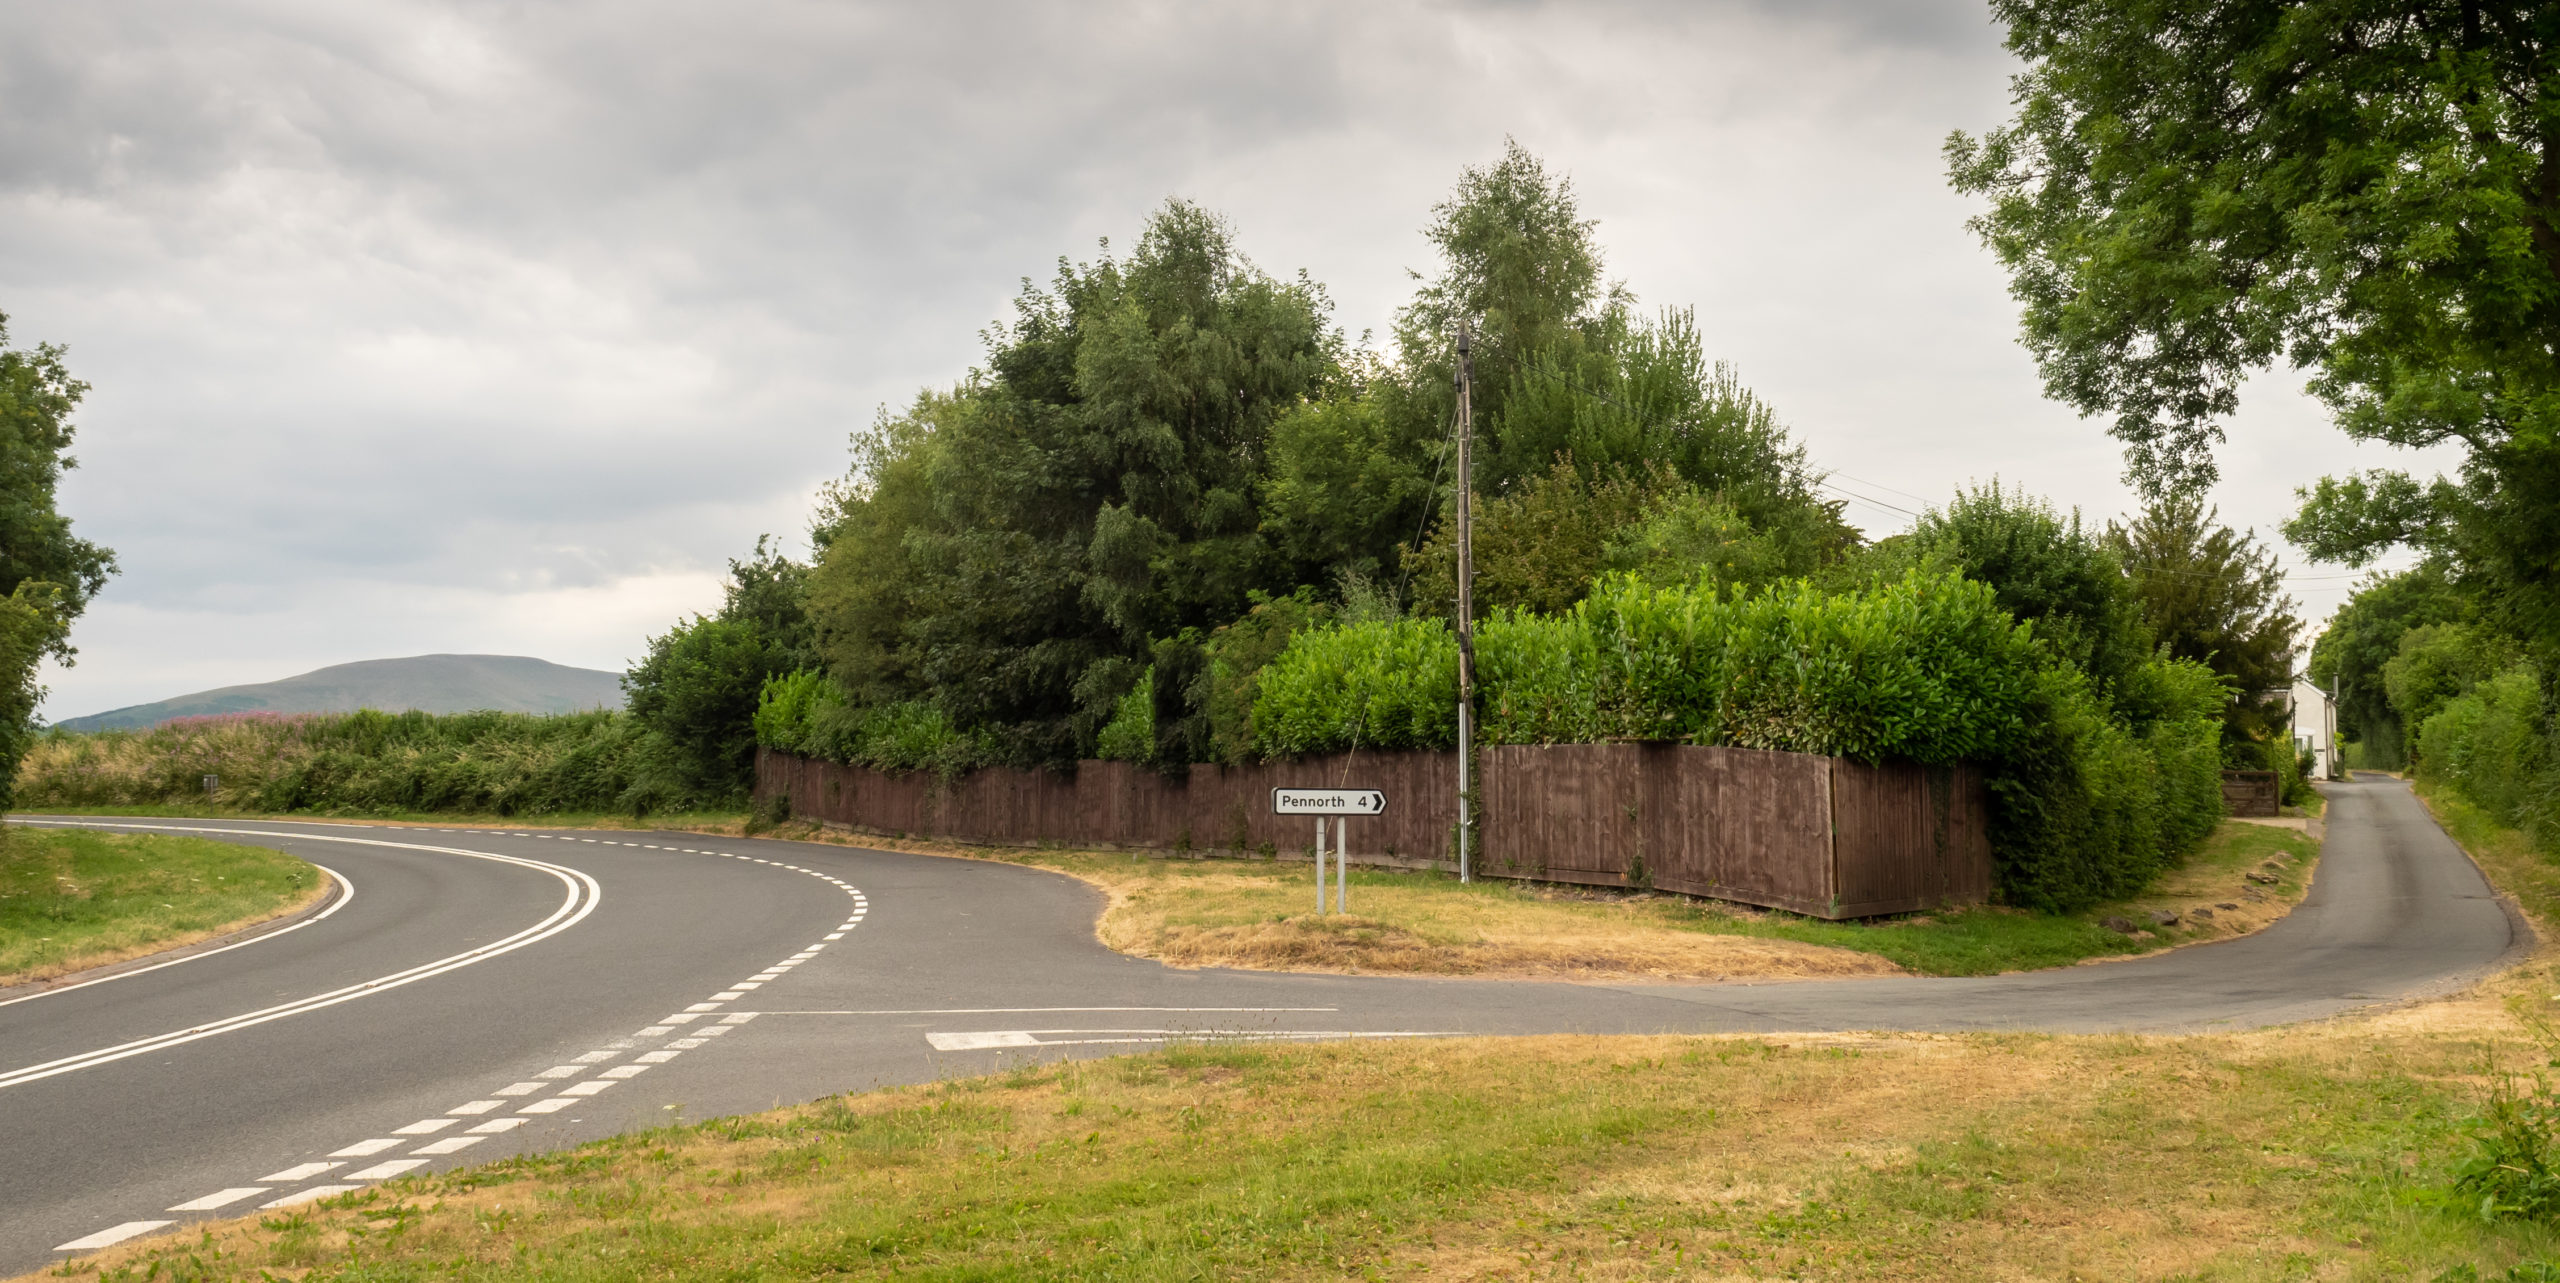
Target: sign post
(1338, 805)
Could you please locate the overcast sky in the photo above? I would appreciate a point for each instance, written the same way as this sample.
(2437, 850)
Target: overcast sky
(499, 327)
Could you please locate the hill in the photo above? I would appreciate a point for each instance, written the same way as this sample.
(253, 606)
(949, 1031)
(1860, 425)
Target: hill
(429, 683)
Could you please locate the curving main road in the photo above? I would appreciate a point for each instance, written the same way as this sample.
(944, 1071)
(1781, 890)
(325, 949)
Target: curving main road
(484, 992)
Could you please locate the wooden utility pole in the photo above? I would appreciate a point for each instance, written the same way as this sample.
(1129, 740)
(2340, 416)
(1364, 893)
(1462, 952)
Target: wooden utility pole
(1466, 596)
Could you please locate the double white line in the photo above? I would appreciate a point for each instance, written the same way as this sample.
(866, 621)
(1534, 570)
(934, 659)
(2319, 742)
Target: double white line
(583, 893)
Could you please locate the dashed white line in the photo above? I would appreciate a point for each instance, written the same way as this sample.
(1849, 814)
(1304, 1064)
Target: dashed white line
(425, 1127)
(494, 1126)
(219, 1198)
(311, 1195)
(450, 1144)
(112, 1235)
(385, 1171)
(297, 1172)
(363, 1148)
(551, 1106)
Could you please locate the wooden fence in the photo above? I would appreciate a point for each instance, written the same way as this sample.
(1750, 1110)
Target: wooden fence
(1815, 835)
(2252, 793)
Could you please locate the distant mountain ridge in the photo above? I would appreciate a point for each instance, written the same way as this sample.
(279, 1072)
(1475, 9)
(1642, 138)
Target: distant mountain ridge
(428, 683)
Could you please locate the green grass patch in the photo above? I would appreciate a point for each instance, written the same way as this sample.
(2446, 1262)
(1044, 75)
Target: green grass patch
(71, 899)
(2266, 1156)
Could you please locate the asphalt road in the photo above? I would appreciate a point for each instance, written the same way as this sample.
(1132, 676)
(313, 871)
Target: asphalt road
(485, 992)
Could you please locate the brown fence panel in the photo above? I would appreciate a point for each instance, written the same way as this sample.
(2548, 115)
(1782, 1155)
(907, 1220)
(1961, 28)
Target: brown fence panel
(1744, 824)
(1562, 812)
(1906, 839)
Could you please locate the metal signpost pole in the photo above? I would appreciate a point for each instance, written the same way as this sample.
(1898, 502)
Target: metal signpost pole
(1319, 866)
(1466, 595)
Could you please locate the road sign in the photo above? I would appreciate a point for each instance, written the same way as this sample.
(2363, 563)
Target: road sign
(1286, 801)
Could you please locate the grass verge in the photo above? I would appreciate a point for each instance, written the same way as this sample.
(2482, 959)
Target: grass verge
(70, 900)
(1248, 913)
(2289, 1155)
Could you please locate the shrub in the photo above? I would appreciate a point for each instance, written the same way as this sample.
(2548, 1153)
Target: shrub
(806, 714)
(1928, 669)
(1384, 684)
(364, 762)
(2493, 743)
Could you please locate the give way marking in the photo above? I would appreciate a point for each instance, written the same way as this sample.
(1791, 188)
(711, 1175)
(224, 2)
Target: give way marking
(984, 1040)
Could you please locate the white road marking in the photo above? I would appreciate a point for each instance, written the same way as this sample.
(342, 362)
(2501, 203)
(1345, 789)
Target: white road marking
(346, 892)
(587, 1088)
(551, 1106)
(703, 1006)
(562, 1071)
(219, 1198)
(494, 1126)
(311, 1195)
(425, 1127)
(298, 1172)
(520, 1089)
(112, 1235)
(745, 985)
(980, 1041)
(450, 1144)
(364, 1147)
(660, 1057)
(583, 895)
(475, 1107)
(680, 1018)
(596, 1057)
(654, 1031)
(728, 995)
(385, 1171)
(685, 1044)
(1033, 1037)
(627, 1071)
(837, 936)
(736, 1018)
(1005, 1011)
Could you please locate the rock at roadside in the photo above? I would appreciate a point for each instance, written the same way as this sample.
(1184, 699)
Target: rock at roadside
(2164, 917)
(2201, 915)
(2263, 879)
(2227, 905)
(2121, 926)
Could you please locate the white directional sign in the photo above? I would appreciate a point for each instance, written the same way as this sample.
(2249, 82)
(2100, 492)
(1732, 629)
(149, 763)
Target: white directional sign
(1285, 801)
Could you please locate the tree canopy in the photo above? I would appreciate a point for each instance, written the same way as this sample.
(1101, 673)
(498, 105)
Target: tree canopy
(2369, 189)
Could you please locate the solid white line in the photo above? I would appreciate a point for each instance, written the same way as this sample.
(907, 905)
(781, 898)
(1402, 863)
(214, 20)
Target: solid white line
(311, 1195)
(219, 1198)
(298, 1172)
(111, 1236)
(583, 895)
(346, 892)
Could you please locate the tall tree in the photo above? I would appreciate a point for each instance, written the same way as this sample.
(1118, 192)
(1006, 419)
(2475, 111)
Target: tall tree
(2216, 596)
(2370, 189)
(1016, 548)
(48, 575)
(2349, 657)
